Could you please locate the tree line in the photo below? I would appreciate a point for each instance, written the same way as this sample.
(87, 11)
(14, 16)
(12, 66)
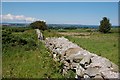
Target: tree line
(105, 25)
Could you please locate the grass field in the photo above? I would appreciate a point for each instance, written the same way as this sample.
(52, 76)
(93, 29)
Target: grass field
(24, 56)
(105, 45)
(28, 61)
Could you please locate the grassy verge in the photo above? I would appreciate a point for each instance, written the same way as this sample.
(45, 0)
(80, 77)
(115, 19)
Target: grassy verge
(105, 45)
(26, 57)
(51, 33)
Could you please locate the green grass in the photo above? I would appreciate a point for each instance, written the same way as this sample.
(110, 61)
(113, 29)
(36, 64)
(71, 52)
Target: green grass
(35, 61)
(22, 61)
(51, 33)
(76, 30)
(105, 45)
(32, 64)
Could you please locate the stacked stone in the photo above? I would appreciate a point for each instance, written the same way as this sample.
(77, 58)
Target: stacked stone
(40, 36)
(84, 63)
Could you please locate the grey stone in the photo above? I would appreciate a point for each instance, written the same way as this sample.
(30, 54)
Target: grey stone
(92, 71)
(70, 51)
(80, 71)
(99, 77)
(54, 55)
(77, 60)
(86, 60)
(86, 77)
(85, 63)
(102, 69)
(74, 65)
(114, 67)
(40, 36)
(64, 72)
(77, 57)
(66, 63)
(83, 53)
(110, 74)
(64, 67)
(98, 61)
(76, 76)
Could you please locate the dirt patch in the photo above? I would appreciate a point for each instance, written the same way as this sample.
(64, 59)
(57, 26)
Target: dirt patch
(81, 36)
(75, 34)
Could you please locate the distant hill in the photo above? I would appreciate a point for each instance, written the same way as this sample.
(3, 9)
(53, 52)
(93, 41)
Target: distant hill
(71, 26)
(15, 24)
(54, 26)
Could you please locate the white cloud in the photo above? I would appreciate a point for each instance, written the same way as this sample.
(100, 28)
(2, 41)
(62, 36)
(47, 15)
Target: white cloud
(10, 17)
(7, 17)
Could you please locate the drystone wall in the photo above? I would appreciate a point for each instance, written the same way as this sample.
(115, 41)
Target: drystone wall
(84, 63)
(39, 33)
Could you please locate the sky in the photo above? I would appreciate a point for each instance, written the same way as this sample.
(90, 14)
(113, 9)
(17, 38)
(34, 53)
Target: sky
(60, 0)
(87, 13)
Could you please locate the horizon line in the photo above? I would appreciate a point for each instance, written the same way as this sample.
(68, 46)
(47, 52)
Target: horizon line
(60, 1)
(54, 23)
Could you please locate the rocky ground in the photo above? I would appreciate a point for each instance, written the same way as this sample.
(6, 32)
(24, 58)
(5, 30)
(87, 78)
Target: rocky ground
(82, 62)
